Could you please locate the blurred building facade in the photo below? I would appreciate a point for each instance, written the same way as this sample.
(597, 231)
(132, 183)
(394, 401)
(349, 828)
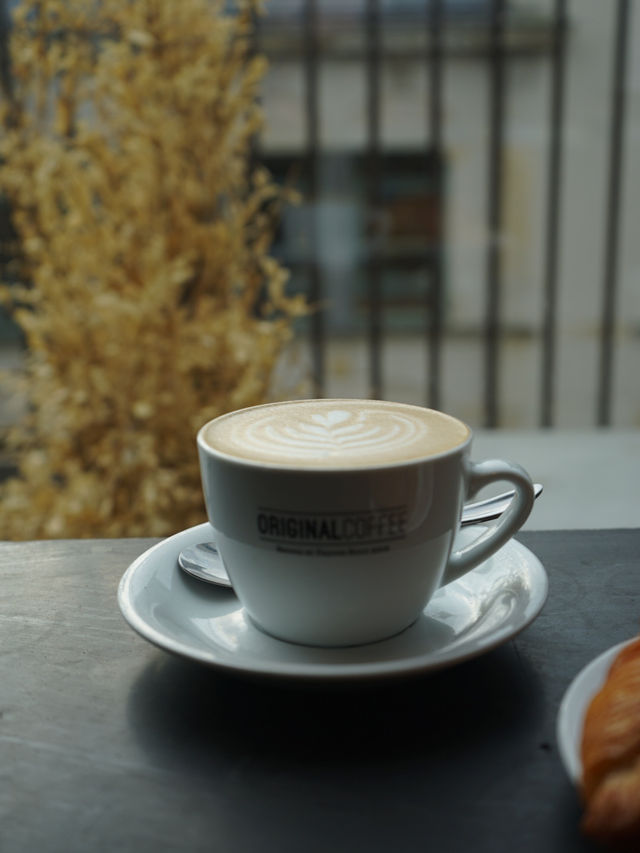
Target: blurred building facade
(433, 196)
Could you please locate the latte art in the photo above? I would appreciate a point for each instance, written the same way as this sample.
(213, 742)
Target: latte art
(335, 433)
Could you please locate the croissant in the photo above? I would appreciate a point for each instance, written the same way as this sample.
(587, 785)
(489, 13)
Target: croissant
(610, 752)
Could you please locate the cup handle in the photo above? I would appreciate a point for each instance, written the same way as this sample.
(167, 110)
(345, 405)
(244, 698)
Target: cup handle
(481, 474)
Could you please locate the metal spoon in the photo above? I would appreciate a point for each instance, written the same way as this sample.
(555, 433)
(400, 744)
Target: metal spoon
(203, 561)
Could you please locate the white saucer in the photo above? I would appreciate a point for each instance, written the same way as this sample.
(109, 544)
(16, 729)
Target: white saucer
(574, 707)
(207, 624)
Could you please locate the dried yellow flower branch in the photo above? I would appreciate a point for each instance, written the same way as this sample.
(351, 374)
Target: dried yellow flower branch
(152, 304)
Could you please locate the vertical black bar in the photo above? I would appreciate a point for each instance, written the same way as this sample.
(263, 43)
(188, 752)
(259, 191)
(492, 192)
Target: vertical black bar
(6, 82)
(8, 239)
(312, 164)
(435, 295)
(494, 209)
(554, 181)
(252, 50)
(373, 195)
(610, 282)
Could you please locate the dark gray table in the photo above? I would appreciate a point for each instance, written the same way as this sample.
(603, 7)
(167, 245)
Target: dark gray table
(107, 743)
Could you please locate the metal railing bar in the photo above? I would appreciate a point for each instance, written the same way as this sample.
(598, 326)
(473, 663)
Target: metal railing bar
(494, 211)
(312, 120)
(6, 76)
(435, 18)
(554, 197)
(373, 68)
(610, 281)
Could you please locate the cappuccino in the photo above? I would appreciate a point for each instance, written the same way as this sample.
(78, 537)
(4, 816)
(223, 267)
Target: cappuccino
(335, 519)
(335, 433)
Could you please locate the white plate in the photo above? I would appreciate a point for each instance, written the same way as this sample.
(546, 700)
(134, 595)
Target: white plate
(207, 624)
(574, 707)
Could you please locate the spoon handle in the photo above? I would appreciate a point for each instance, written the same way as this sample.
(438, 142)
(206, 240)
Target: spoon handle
(490, 508)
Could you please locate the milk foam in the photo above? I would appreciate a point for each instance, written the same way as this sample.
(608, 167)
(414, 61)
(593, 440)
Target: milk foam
(335, 433)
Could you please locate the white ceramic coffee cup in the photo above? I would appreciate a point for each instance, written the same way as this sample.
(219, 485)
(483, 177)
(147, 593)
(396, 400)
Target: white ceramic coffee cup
(336, 555)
